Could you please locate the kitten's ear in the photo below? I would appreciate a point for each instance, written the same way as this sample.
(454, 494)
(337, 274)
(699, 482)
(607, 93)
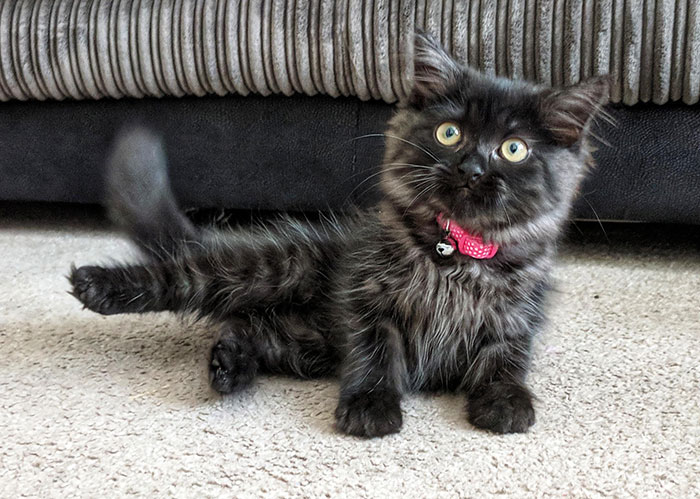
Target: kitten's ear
(434, 70)
(568, 112)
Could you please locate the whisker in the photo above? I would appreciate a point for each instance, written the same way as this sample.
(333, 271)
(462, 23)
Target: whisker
(424, 191)
(503, 206)
(396, 166)
(363, 182)
(575, 225)
(424, 167)
(398, 138)
(423, 178)
(597, 218)
(382, 170)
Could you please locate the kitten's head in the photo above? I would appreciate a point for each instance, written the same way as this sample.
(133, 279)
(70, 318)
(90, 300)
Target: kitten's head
(497, 156)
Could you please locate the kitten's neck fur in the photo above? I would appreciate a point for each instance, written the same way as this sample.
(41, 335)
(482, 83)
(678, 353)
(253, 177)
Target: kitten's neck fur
(417, 232)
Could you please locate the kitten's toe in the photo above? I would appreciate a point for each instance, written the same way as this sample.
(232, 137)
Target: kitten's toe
(94, 288)
(501, 408)
(369, 415)
(232, 366)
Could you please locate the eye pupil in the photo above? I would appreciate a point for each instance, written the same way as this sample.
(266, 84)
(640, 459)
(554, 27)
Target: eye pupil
(513, 150)
(448, 134)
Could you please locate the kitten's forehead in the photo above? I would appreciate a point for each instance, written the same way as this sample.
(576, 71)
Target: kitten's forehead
(490, 102)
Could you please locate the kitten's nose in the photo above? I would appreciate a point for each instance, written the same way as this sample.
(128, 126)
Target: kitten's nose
(472, 171)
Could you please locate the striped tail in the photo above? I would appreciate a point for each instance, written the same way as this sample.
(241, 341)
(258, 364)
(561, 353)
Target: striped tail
(140, 200)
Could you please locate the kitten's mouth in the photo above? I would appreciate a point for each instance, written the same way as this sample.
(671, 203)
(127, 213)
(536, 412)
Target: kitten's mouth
(463, 188)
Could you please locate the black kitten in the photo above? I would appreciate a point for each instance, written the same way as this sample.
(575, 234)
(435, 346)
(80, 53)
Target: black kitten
(440, 287)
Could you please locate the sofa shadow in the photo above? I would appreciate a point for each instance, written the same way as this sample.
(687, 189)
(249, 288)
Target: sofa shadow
(68, 217)
(621, 239)
(610, 238)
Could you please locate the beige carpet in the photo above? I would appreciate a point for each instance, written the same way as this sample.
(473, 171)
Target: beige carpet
(97, 406)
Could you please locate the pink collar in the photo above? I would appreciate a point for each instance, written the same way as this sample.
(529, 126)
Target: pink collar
(468, 244)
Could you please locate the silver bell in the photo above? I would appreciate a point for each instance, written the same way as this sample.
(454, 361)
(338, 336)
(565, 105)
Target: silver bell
(444, 249)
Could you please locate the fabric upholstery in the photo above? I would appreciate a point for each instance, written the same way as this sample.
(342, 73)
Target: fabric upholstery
(303, 153)
(89, 49)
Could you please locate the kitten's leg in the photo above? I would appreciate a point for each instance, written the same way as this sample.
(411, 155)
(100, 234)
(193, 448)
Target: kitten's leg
(498, 399)
(241, 270)
(372, 382)
(290, 342)
(277, 342)
(128, 289)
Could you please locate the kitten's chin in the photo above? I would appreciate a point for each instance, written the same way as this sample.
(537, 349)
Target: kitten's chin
(478, 211)
(477, 220)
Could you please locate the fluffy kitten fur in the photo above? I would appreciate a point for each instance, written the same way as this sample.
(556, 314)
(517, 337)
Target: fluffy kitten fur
(367, 297)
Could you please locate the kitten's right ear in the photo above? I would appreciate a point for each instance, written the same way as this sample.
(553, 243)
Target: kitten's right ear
(435, 72)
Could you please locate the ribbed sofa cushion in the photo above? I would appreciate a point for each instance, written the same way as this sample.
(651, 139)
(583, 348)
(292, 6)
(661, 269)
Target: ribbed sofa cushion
(89, 49)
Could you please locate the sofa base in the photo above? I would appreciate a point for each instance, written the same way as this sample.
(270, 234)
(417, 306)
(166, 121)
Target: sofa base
(304, 153)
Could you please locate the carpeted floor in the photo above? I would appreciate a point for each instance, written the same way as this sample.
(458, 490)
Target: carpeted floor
(97, 406)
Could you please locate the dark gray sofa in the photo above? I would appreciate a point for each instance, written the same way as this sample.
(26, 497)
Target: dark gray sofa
(73, 73)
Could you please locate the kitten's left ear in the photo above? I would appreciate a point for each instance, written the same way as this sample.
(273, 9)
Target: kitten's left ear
(435, 72)
(568, 112)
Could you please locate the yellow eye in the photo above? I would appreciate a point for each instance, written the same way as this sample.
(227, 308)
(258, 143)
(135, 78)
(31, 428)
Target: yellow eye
(448, 134)
(514, 150)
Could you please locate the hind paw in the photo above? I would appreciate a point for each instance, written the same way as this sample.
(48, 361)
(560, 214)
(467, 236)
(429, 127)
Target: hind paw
(232, 366)
(94, 288)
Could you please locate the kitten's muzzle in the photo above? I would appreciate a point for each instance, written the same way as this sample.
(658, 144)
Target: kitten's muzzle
(471, 172)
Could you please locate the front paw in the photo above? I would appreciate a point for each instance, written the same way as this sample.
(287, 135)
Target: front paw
(369, 414)
(501, 408)
(94, 288)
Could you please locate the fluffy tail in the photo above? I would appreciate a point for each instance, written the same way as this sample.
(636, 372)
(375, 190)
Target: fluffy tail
(220, 273)
(139, 197)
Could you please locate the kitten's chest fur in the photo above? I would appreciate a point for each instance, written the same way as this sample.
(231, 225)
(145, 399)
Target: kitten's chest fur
(446, 314)
(447, 319)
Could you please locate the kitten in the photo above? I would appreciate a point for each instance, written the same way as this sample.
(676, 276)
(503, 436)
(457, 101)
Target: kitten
(440, 287)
